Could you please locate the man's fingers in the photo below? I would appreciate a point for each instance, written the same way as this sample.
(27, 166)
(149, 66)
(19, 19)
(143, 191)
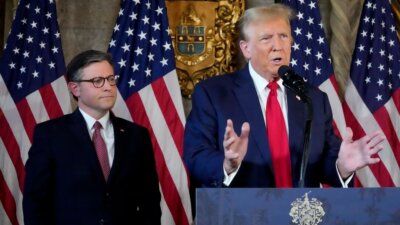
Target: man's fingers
(245, 130)
(229, 123)
(376, 149)
(349, 135)
(376, 134)
(231, 155)
(374, 160)
(228, 129)
(376, 138)
(228, 142)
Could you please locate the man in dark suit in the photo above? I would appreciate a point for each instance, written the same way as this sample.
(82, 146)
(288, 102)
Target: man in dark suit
(69, 180)
(228, 105)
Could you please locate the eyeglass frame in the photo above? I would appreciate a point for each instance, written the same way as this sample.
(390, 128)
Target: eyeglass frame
(103, 80)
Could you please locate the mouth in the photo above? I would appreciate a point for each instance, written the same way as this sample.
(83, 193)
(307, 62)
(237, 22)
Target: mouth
(277, 60)
(106, 97)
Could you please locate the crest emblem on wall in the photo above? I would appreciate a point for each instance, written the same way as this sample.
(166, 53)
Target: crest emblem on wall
(190, 34)
(203, 35)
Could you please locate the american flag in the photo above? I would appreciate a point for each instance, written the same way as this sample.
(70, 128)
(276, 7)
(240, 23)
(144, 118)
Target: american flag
(32, 86)
(150, 95)
(373, 93)
(311, 57)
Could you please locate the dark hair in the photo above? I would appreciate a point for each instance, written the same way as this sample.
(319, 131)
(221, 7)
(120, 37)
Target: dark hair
(84, 59)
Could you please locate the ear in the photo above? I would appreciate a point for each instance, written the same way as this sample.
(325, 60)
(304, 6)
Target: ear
(74, 89)
(245, 49)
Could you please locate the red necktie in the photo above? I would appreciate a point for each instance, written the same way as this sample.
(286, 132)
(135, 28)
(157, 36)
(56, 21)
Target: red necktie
(101, 149)
(278, 139)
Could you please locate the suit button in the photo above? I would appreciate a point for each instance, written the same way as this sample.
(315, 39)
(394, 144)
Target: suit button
(107, 194)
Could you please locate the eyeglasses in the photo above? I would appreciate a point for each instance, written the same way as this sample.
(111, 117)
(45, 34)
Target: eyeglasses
(98, 82)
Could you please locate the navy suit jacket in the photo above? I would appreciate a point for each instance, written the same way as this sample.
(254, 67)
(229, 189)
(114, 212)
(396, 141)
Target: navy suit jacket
(234, 96)
(64, 183)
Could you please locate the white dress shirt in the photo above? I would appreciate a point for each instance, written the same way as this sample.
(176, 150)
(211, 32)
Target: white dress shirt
(262, 90)
(107, 132)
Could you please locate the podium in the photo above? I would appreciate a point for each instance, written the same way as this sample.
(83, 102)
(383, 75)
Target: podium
(305, 206)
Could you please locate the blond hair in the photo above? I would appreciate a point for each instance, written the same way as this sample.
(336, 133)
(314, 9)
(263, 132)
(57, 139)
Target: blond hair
(263, 13)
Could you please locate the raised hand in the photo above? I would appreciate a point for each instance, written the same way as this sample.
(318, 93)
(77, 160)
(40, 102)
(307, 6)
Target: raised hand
(354, 155)
(235, 147)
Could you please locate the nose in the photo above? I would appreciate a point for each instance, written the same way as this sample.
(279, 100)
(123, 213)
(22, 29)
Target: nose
(276, 43)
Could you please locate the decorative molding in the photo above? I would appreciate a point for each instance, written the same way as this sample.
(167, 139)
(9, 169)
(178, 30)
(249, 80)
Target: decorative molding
(204, 38)
(396, 14)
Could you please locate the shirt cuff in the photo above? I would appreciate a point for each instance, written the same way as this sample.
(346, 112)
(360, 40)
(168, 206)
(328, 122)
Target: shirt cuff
(345, 183)
(228, 178)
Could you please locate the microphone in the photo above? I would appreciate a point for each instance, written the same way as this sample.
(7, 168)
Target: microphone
(296, 83)
(293, 82)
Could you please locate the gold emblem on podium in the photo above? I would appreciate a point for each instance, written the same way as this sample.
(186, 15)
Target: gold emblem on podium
(307, 211)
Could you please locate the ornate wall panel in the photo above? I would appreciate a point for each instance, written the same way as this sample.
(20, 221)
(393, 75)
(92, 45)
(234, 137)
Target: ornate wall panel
(396, 13)
(204, 38)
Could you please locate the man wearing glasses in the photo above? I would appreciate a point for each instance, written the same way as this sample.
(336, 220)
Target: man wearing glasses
(91, 167)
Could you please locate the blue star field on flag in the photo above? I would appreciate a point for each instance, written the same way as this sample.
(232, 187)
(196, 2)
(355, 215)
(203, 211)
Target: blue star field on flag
(141, 46)
(33, 56)
(310, 51)
(375, 70)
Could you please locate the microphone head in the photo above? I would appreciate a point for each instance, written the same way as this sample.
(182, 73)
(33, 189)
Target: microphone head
(293, 81)
(285, 72)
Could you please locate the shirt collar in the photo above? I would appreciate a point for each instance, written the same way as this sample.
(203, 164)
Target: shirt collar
(260, 82)
(104, 121)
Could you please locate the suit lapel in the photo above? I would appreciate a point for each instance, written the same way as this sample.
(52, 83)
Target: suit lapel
(296, 119)
(79, 129)
(120, 138)
(246, 95)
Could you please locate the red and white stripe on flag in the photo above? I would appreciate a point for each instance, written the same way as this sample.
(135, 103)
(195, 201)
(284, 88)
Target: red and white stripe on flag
(159, 108)
(17, 121)
(32, 90)
(372, 98)
(149, 95)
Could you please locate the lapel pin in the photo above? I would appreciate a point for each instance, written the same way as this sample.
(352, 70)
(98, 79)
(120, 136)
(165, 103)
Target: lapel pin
(298, 98)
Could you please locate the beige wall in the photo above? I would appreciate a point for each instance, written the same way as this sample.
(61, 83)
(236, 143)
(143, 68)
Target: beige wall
(86, 24)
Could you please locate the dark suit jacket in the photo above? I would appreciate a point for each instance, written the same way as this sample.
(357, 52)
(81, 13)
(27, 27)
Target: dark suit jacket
(64, 183)
(234, 96)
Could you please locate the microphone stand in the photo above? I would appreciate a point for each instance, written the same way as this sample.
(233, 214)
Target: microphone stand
(306, 144)
(299, 90)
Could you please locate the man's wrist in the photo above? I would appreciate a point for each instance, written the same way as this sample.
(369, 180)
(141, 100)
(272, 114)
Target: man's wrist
(344, 174)
(229, 170)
